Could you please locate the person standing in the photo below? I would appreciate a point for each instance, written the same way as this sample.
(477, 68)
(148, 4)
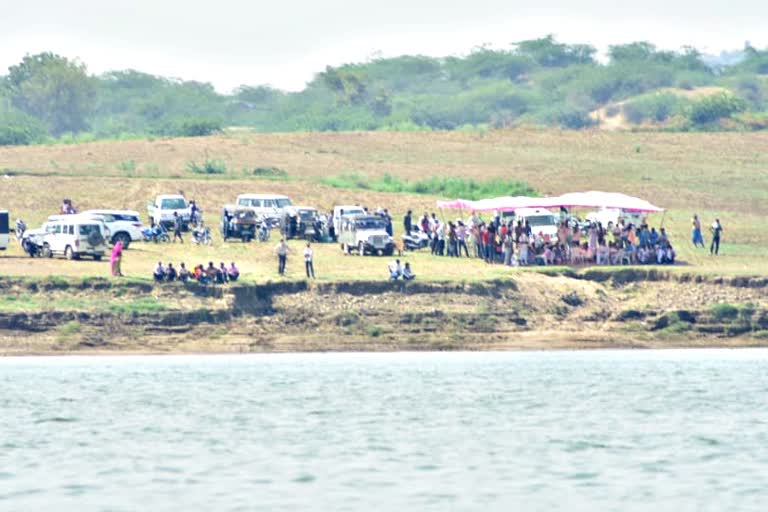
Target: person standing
(408, 222)
(116, 259)
(177, 225)
(282, 249)
(309, 266)
(698, 238)
(717, 230)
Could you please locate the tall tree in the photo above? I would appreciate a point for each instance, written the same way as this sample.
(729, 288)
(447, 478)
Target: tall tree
(54, 89)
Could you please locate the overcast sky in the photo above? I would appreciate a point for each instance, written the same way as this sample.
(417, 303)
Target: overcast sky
(284, 42)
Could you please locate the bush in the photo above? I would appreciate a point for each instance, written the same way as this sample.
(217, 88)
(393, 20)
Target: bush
(657, 108)
(208, 167)
(724, 312)
(19, 129)
(436, 186)
(715, 107)
(199, 128)
(271, 173)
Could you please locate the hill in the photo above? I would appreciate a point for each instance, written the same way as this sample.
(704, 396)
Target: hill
(539, 82)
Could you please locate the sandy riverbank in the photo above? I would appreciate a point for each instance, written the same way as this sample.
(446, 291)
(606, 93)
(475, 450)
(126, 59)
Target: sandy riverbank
(626, 309)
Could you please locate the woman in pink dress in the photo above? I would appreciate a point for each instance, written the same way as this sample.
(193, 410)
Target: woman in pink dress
(116, 259)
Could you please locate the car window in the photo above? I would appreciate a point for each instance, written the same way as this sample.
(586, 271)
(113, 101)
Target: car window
(370, 223)
(282, 203)
(71, 230)
(87, 229)
(173, 204)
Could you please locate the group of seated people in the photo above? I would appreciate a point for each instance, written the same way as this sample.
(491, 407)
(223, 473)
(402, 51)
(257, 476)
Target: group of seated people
(204, 275)
(397, 271)
(592, 244)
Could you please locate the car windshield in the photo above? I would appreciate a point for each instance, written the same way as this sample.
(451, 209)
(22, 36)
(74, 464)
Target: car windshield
(370, 223)
(542, 220)
(282, 203)
(87, 229)
(245, 214)
(306, 214)
(173, 204)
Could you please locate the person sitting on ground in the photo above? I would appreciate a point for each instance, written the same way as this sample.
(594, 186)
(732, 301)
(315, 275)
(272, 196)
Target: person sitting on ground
(170, 273)
(159, 273)
(670, 254)
(202, 275)
(198, 272)
(211, 272)
(603, 254)
(408, 275)
(222, 275)
(395, 270)
(183, 273)
(642, 255)
(659, 254)
(233, 272)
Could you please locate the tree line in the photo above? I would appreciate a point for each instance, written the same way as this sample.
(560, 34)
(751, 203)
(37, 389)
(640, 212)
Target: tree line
(539, 82)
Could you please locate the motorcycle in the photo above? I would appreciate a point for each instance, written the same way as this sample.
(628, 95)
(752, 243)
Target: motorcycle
(202, 235)
(265, 230)
(32, 245)
(156, 234)
(415, 241)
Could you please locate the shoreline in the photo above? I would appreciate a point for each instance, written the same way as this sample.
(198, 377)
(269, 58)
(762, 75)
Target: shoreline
(564, 310)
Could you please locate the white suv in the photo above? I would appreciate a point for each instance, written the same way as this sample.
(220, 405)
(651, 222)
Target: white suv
(264, 205)
(73, 237)
(124, 225)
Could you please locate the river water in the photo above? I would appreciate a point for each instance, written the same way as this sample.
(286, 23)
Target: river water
(602, 430)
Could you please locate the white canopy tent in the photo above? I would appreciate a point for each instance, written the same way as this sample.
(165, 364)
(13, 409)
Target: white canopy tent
(591, 199)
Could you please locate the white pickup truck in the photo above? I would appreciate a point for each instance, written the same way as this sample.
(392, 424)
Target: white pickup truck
(162, 209)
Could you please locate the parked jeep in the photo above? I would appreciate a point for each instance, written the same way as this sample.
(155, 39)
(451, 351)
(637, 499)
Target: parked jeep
(74, 237)
(365, 234)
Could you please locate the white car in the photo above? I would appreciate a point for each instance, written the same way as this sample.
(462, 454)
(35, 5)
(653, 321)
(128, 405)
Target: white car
(74, 236)
(164, 206)
(265, 205)
(124, 225)
(5, 229)
(541, 221)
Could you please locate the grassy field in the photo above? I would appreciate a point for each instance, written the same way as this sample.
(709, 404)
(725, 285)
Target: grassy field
(721, 175)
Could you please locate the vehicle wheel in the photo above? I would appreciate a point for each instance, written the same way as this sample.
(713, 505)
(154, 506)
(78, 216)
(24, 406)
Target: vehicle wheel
(361, 249)
(165, 239)
(122, 237)
(96, 257)
(68, 253)
(47, 252)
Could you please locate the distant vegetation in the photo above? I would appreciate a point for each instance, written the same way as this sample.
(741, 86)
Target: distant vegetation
(436, 186)
(539, 82)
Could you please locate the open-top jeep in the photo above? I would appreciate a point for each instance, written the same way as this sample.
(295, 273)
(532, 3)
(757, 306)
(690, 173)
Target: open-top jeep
(365, 234)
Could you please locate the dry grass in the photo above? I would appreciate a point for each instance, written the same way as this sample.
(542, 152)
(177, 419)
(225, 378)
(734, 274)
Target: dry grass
(718, 174)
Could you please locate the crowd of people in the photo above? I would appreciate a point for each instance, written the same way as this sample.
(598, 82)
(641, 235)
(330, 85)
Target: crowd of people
(202, 274)
(517, 243)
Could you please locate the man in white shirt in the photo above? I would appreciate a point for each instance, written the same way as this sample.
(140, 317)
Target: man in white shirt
(282, 250)
(308, 262)
(395, 270)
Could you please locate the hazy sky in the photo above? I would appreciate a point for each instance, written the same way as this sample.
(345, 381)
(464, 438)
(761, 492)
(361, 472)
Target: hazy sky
(284, 42)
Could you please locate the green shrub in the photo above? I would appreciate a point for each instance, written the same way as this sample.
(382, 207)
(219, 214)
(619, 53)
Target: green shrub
(436, 186)
(127, 166)
(657, 108)
(271, 173)
(715, 107)
(207, 167)
(724, 312)
(199, 128)
(19, 129)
